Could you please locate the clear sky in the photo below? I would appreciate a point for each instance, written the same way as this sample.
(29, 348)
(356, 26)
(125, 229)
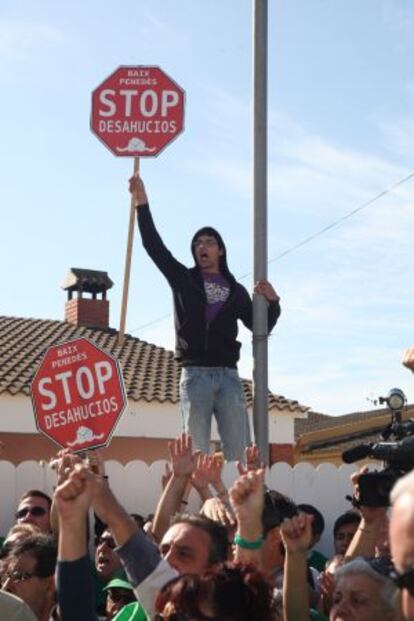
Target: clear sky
(341, 130)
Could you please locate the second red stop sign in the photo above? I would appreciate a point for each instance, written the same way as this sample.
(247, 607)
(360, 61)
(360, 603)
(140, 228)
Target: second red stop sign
(137, 111)
(78, 395)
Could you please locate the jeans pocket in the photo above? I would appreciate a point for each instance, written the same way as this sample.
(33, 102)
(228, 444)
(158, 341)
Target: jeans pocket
(188, 377)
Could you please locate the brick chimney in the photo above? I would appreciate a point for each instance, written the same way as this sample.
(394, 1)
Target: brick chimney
(92, 311)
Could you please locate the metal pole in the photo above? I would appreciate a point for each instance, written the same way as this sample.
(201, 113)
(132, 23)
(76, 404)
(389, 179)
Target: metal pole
(260, 327)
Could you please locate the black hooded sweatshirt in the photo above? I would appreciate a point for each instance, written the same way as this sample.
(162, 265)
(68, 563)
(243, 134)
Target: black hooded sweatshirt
(199, 343)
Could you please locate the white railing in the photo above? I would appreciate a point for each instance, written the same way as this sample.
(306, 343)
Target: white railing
(137, 486)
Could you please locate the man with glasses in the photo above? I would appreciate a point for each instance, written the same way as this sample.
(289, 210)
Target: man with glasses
(402, 540)
(108, 566)
(120, 593)
(34, 508)
(107, 562)
(208, 302)
(28, 573)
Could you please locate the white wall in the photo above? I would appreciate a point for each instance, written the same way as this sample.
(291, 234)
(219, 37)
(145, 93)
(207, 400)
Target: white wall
(138, 487)
(152, 420)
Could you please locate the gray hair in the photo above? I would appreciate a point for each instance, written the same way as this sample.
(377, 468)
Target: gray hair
(403, 486)
(387, 589)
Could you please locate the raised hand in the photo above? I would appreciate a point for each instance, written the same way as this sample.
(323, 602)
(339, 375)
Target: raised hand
(73, 496)
(215, 469)
(218, 511)
(183, 460)
(137, 189)
(201, 477)
(296, 533)
(408, 359)
(253, 462)
(370, 515)
(96, 461)
(247, 497)
(64, 463)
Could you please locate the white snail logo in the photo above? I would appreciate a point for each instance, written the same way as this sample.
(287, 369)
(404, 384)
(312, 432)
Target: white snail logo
(136, 145)
(83, 435)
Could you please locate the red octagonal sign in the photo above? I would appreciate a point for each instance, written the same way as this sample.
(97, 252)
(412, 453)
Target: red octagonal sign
(137, 111)
(78, 395)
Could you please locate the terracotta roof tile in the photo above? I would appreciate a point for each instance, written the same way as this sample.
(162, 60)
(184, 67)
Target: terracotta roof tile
(344, 436)
(317, 422)
(150, 372)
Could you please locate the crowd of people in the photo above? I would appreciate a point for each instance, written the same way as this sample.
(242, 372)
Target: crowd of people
(250, 553)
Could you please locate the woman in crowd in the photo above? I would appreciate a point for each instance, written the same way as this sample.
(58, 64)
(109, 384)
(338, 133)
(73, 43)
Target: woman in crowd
(363, 594)
(234, 593)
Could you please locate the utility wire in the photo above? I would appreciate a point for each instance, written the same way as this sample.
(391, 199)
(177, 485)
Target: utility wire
(310, 238)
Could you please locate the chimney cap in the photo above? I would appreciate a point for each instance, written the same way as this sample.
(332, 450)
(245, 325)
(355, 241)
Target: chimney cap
(89, 281)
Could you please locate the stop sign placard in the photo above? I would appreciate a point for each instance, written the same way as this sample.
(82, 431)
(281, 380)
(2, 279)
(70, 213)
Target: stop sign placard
(78, 395)
(137, 111)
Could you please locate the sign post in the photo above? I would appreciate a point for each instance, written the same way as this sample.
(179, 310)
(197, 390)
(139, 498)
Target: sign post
(136, 112)
(128, 256)
(260, 328)
(78, 395)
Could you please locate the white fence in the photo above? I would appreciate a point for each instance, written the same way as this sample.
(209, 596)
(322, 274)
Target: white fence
(137, 486)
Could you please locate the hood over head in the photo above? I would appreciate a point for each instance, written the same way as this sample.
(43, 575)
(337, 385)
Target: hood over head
(211, 232)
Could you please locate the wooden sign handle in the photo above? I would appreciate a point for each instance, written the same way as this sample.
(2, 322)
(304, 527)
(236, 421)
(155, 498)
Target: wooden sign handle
(127, 273)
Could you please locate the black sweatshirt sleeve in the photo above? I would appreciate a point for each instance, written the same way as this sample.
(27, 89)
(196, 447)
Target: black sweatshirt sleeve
(155, 247)
(246, 310)
(76, 590)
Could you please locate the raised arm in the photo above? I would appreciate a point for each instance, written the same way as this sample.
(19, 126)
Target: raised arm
(372, 521)
(183, 464)
(138, 554)
(246, 498)
(408, 359)
(72, 500)
(62, 464)
(151, 239)
(296, 536)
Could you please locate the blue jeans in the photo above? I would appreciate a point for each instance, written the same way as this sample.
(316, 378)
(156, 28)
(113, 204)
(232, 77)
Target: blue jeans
(205, 391)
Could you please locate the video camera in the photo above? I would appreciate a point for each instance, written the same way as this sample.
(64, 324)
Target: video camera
(398, 455)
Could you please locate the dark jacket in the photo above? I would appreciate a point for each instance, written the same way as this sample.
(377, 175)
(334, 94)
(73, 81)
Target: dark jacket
(197, 342)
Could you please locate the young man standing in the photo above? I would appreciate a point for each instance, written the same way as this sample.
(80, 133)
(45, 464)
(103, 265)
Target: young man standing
(208, 301)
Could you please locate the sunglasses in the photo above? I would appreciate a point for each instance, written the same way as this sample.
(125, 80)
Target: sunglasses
(117, 595)
(34, 511)
(16, 576)
(109, 541)
(182, 616)
(404, 580)
(174, 616)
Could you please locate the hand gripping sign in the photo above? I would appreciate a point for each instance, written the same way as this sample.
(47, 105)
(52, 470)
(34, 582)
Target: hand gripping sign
(137, 111)
(78, 395)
